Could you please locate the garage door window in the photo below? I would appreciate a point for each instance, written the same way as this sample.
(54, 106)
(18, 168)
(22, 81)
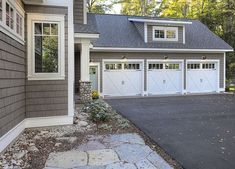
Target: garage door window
(132, 66)
(208, 66)
(155, 66)
(194, 66)
(113, 66)
(172, 66)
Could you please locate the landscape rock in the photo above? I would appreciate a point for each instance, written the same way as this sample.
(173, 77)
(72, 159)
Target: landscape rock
(33, 149)
(68, 139)
(20, 154)
(82, 123)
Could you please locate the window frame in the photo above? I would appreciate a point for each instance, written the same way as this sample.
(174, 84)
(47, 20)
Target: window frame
(46, 18)
(165, 29)
(7, 29)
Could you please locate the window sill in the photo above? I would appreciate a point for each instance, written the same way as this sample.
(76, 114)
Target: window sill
(46, 78)
(8, 31)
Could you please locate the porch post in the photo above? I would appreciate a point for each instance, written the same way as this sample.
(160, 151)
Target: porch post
(85, 84)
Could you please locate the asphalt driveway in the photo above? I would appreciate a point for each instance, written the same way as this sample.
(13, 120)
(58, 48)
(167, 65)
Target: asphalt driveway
(197, 131)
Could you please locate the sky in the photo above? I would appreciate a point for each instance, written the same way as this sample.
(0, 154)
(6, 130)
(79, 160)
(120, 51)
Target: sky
(116, 9)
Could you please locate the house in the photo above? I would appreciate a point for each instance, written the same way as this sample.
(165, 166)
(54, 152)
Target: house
(51, 50)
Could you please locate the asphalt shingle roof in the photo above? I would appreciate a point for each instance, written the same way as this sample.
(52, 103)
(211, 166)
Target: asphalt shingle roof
(118, 31)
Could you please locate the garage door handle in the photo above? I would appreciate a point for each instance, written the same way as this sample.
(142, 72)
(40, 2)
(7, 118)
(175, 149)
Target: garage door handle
(164, 81)
(123, 82)
(201, 80)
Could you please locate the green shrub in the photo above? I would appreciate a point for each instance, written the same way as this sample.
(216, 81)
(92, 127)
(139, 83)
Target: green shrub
(98, 112)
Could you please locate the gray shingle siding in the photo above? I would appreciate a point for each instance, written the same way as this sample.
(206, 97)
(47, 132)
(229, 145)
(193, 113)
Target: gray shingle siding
(48, 97)
(12, 83)
(78, 11)
(140, 27)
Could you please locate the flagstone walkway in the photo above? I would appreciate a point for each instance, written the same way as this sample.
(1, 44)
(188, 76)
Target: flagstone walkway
(123, 151)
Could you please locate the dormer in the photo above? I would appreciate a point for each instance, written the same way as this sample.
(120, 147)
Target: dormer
(161, 31)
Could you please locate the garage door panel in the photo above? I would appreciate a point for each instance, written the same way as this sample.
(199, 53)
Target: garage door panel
(202, 77)
(126, 81)
(112, 86)
(173, 82)
(133, 82)
(156, 82)
(164, 78)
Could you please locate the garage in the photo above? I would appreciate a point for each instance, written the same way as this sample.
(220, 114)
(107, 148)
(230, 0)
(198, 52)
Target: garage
(123, 78)
(165, 77)
(202, 76)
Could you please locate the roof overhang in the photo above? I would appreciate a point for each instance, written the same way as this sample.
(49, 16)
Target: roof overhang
(169, 50)
(86, 35)
(159, 21)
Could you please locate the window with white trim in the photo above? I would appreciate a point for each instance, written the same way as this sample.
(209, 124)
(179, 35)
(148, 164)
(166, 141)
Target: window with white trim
(132, 66)
(165, 33)
(155, 66)
(19, 24)
(9, 16)
(113, 66)
(12, 19)
(46, 47)
(193, 66)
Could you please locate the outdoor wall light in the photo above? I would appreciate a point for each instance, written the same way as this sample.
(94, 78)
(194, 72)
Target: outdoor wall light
(203, 57)
(124, 59)
(165, 57)
(91, 60)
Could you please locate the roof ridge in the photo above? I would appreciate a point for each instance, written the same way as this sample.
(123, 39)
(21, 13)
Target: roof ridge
(153, 17)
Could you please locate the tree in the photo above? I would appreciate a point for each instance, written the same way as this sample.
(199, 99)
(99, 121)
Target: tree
(99, 6)
(139, 7)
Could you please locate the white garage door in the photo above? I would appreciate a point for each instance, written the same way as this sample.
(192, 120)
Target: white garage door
(164, 77)
(202, 77)
(122, 79)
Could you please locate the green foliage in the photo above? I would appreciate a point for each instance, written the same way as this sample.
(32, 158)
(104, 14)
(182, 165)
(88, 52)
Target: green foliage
(139, 7)
(100, 6)
(98, 112)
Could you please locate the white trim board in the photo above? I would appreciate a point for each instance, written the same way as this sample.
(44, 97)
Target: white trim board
(159, 21)
(60, 3)
(113, 49)
(11, 135)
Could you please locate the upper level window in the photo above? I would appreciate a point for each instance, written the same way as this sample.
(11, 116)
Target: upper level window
(12, 19)
(165, 33)
(19, 24)
(46, 47)
(9, 16)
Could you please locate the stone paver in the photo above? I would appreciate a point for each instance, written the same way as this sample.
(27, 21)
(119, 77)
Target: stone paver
(127, 151)
(158, 161)
(145, 164)
(121, 165)
(132, 152)
(69, 159)
(91, 145)
(118, 139)
(102, 157)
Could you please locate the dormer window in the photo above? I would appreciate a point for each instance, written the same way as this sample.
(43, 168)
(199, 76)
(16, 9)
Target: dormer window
(165, 33)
